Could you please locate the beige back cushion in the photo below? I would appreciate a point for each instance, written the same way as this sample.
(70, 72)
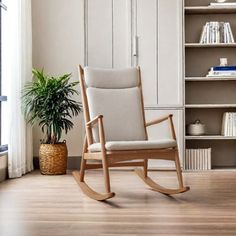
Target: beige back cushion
(118, 99)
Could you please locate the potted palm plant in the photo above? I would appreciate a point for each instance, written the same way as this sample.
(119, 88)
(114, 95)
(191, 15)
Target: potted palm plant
(48, 101)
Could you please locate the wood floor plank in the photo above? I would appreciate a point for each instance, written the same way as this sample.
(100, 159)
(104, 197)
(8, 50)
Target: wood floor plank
(38, 205)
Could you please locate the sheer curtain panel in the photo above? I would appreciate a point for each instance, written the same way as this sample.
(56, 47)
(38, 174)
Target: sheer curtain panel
(18, 73)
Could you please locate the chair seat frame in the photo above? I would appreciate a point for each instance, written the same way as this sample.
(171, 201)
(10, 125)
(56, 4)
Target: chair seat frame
(119, 158)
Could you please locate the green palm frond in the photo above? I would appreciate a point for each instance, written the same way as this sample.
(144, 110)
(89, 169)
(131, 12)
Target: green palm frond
(49, 101)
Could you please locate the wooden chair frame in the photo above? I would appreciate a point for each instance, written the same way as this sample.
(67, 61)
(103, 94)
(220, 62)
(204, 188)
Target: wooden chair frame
(117, 158)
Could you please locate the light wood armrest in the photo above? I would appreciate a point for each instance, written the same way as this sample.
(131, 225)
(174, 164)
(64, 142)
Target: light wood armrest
(159, 120)
(98, 120)
(94, 121)
(164, 118)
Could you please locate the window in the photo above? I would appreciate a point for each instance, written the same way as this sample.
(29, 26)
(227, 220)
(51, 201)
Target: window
(3, 99)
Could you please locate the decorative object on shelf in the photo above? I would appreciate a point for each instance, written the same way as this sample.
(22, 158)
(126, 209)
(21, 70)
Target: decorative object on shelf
(222, 71)
(198, 159)
(196, 129)
(48, 101)
(216, 32)
(229, 124)
(223, 61)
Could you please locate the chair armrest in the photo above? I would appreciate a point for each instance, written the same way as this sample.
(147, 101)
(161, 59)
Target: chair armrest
(157, 121)
(164, 118)
(98, 120)
(94, 121)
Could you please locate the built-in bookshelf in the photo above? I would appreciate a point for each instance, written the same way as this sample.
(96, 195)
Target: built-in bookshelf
(207, 98)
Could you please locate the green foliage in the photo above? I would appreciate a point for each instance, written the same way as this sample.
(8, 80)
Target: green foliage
(48, 101)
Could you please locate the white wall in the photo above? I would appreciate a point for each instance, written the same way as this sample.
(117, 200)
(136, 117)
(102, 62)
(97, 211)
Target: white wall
(58, 45)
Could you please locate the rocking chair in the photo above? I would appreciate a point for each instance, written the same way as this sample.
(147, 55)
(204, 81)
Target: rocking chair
(116, 129)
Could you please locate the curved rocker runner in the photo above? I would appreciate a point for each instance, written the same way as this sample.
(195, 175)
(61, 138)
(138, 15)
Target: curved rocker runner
(157, 187)
(89, 192)
(115, 134)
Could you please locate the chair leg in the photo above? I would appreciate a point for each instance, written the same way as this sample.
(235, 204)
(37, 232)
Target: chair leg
(106, 174)
(178, 169)
(145, 167)
(83, 161)
(82, 169)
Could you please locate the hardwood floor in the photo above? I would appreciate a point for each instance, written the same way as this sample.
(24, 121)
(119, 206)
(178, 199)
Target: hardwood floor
(54, 205)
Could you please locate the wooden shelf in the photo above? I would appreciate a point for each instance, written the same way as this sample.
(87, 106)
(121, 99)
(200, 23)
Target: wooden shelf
(210, 45)
(210, 137)
(211, 79)
(210, 10)
(210, 105)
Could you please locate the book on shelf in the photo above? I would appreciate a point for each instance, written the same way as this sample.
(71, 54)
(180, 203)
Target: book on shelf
(218, 74)
(216, 32)
(224, 68)
(198, 159)
(222, 71)
(229, 124)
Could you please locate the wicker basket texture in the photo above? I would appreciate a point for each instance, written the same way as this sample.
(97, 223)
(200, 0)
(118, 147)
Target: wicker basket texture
(53, 158)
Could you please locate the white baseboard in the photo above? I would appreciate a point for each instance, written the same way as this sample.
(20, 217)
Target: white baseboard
(3, 167)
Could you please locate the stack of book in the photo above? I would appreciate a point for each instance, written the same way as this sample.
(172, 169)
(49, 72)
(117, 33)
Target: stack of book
(229, 124)
(222, 71)
(216, 32)
(198, 159)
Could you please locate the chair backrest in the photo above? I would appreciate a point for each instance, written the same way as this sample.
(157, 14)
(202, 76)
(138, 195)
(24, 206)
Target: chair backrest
(117, 95)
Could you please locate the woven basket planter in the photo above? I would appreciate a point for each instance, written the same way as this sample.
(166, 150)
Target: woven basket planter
(53, 158)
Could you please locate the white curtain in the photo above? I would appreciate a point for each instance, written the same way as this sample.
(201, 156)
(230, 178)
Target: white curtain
(19, 65)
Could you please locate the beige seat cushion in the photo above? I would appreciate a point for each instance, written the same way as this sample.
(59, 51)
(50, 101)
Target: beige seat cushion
(134, 145)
